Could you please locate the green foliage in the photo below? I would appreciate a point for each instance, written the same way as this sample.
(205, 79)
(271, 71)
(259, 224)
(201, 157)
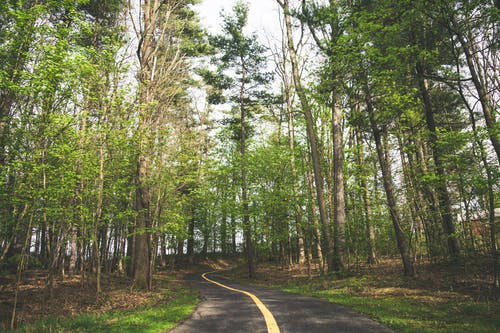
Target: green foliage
(240, 62)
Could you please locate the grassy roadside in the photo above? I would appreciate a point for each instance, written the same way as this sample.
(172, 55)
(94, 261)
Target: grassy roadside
(152, 318)
(406, 312)
(168, 306)
(406, 305)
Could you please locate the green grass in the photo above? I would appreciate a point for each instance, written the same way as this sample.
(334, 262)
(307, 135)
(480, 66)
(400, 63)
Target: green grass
(148, 319)
(406, 313)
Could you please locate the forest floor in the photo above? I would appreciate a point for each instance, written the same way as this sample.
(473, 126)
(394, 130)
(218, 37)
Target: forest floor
(443, 297)
(71, 298)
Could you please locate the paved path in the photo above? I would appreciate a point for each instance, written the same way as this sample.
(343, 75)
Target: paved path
(222, 310)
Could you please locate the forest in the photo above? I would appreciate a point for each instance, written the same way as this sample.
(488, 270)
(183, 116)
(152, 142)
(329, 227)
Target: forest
(132, 140)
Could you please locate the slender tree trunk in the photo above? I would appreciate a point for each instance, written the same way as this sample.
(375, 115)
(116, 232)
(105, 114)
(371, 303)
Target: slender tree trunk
(417, 204)
(441, 188)
(339, 216)
(50, 240)
(98, 219)
(78, 211)
(121, 254)
(311, 135)
(295, 191)
(20, 268)
(287, 92)
(389, 191)
(130, 251)
(152, 258)
(247, 228)
(190, 239)
(180, 247)
(370, 229)
(74, 251)
(480, 83)
(491, 200)
(234, 249)
(314, 222)
(431, 220)
(223, 231)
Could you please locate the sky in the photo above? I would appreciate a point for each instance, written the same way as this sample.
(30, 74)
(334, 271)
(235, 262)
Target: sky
(262, 17)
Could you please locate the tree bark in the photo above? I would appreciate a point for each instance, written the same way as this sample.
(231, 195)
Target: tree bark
(314, 222)
(441, 188)
(370, 230)
(479, 81)
(311, 136)
(339, 217)
(288, 103)
(404, 251)
(148, 56)
(291, 146)
(491, 199)
(247, 228)
(190, 235)
(141, 243)
(97, 222)
(20, 268)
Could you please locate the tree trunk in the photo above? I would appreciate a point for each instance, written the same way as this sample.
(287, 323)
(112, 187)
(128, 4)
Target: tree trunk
(247, 228)
(491, 199)
(295, 191)
(223, 230)
(141, 243)
(441, 188)
(130, 251)
(431, 221)
(311, 136)
(147, 52)
(234, 249)
(370, 230)
(339, 216)
(190, 236)
(314, 222)
(287, 92)
(20, 268)
(74, 251)
(480, 83)
(389, 191)
(98, 218)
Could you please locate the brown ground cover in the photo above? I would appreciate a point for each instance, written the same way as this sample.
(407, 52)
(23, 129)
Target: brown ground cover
(71, 296)
(469, 279)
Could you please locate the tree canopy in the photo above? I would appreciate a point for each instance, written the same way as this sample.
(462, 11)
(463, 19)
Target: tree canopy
(130, 138)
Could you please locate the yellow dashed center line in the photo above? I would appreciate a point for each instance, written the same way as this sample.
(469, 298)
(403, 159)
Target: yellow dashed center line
(272, 326)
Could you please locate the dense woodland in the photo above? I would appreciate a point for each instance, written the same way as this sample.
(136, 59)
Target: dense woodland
(130, 138)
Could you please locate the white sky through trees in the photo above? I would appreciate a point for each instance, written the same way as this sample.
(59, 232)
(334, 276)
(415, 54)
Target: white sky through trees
(262, 17)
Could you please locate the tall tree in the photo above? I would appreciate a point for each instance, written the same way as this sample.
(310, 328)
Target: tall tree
(325, 24)
(246, 91)
(162, 31)
(311, 135)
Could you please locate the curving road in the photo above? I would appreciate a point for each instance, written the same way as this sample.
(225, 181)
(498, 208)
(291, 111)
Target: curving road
(223, 310)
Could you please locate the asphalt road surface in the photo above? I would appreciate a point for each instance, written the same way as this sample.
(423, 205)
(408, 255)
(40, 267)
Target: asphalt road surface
(222, 310)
